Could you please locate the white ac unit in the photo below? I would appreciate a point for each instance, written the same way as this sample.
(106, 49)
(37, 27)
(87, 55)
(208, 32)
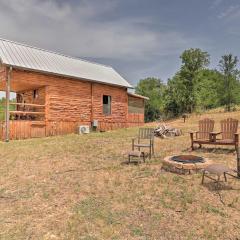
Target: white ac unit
(84, 129)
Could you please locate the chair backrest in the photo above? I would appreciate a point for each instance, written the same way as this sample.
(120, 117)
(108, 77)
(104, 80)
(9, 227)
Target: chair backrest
(205, 127)
(228, 128)
(146, 133)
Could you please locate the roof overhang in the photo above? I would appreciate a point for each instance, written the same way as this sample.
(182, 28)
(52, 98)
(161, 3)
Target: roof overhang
(138, 96)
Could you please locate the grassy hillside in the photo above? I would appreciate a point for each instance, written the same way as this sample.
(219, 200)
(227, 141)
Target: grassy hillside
(78, 187)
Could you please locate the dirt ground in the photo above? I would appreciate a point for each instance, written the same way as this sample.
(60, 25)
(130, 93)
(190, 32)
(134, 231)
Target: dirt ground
(79, 187)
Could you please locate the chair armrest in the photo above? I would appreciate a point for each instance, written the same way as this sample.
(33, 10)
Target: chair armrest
(193, 131)
(133, 139)
(215, 133)
(213, 136)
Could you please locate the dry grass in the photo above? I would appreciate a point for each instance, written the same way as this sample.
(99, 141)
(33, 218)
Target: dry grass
(77, 187)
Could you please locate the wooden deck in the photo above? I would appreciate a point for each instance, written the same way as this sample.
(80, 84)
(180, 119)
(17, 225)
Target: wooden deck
(24, 129)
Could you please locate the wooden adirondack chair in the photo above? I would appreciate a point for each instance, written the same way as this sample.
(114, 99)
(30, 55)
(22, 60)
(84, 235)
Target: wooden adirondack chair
(229, 135)
(203, 135)
(145, 139)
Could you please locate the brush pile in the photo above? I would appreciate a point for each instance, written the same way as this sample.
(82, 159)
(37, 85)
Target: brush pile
(164, 131)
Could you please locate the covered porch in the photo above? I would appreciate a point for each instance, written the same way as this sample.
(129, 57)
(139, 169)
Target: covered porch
(23, 116)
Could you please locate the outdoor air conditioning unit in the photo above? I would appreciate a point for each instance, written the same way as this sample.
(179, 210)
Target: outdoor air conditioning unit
(84, 129)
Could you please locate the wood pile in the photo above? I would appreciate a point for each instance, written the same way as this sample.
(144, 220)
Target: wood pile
(164, 131)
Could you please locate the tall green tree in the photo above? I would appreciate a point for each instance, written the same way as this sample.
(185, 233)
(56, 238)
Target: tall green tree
(194, 87)
(175, 97)
(180, 95)
(207, 89)
(230, 86)
(154, 89)
(193, 61)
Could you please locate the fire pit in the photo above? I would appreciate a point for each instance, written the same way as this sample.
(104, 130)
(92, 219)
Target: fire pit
(185, 163)
(188, 159)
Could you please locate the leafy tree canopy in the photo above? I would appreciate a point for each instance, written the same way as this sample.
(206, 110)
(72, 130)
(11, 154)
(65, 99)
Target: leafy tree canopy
(194, 60)
(194, 87)
(154, 89)
(230, 82)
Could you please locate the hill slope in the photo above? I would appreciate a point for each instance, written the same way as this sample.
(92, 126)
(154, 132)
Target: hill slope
(78, 187)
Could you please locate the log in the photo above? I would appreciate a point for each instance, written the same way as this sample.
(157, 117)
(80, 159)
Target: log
(164, 131)
(28, 104)
(26, 113)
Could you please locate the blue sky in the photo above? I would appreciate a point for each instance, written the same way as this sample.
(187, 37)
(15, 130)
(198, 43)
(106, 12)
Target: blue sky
(138, 38)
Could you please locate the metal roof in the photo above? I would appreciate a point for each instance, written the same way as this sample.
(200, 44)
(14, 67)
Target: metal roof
(137, 96)
(36, 59)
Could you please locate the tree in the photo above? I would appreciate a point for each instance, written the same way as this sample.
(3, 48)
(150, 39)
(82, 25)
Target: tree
(193, 61)
(154, 89)
(175, 97)
(180, 95)
(207, 89)
(194, 87)
(230, 86)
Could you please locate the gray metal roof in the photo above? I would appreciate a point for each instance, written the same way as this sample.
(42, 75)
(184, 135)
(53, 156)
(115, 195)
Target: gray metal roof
(35, 59)
(137, 96)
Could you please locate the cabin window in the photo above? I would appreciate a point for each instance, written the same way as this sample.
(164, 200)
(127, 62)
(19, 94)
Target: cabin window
(35, 93)
(107, 105)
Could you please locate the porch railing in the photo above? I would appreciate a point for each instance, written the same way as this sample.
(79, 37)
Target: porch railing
(27, 111)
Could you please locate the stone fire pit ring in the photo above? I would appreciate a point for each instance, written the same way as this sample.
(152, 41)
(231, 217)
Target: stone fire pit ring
(175, 163)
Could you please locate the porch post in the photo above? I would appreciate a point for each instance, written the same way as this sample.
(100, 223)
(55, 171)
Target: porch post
(7, 115)
(238, 162)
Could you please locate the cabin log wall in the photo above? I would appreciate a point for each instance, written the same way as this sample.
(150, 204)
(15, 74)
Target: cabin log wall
(69, 103)
(3, 73)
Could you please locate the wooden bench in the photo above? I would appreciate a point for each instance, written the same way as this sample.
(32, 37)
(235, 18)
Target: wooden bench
(206, 135)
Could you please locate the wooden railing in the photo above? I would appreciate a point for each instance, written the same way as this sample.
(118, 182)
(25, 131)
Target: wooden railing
(26, 110)
(26, 113)
(28, 104)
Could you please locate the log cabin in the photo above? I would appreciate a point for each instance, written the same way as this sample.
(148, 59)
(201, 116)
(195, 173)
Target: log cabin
(55, 94)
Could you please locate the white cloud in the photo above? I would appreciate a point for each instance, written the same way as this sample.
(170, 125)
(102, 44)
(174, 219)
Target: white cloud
(82, 29)
(216, 3)
(230, 13)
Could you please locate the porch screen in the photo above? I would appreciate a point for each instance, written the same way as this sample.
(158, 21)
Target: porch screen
(135, 105)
